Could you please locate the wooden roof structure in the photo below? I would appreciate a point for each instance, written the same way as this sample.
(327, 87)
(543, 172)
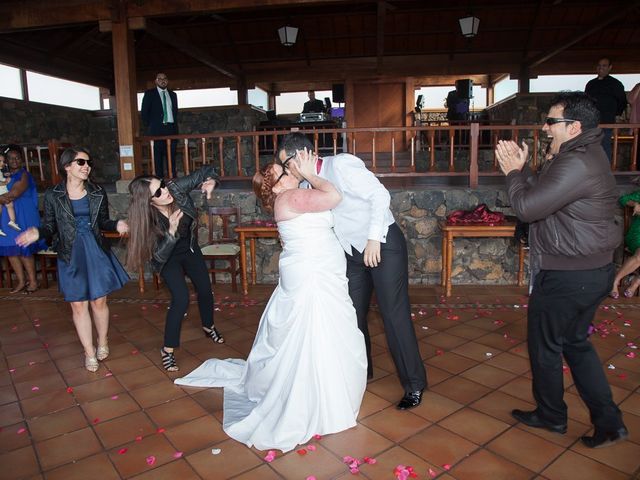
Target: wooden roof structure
(233, 43)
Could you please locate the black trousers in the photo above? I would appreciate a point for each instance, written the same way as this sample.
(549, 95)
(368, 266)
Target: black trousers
(391, 282)
(160, 158)
(192, 264)
(561, 308)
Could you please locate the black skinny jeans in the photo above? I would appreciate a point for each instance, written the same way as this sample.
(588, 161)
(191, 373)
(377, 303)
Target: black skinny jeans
(173, 274)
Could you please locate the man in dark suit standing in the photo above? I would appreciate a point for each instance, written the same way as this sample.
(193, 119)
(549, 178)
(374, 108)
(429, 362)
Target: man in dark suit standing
(313, 105)
(160, 115)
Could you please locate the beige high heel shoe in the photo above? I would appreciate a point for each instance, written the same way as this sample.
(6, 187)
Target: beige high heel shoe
(91, 364)
(102, 352)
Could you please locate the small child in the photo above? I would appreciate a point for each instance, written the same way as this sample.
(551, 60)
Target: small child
(10, 209)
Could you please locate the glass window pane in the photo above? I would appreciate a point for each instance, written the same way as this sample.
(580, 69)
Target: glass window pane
(10, 85)
(258, 98)
(56, 91)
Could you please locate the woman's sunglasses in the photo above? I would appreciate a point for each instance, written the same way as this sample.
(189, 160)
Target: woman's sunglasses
(158, 192)
(82, 161)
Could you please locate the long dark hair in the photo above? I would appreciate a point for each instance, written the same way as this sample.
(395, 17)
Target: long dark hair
(263, 183)
(143, 219)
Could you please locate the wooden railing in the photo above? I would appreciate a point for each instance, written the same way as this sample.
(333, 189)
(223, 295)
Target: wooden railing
(237, 155)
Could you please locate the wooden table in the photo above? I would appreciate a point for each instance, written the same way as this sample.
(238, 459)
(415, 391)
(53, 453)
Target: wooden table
(449, 232)
(116, 235)
(251, 231)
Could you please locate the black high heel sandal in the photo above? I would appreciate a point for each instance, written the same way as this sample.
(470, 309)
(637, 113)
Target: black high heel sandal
(213, 334)
(169, 361)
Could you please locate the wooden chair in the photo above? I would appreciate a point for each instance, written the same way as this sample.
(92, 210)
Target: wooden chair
(225, 247)
(48, 262)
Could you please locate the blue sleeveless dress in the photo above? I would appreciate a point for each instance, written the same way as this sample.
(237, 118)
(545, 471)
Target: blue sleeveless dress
(91, 273)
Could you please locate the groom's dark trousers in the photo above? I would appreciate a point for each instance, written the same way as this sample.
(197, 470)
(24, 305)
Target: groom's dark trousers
(390, 281)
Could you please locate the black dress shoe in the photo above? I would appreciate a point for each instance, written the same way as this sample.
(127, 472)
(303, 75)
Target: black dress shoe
(604, 438)
(532, 419)
(410, 400)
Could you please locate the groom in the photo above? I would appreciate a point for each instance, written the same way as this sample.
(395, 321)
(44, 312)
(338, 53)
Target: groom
(376, 259)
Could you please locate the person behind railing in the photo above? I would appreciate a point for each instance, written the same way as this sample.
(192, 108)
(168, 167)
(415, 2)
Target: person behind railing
(75, 212)
(306, 373)
(376, 253)
(159, 113)
(163, 223)
(569, 206)
(9, 207)
(313, 105)
(632, 243)
(608, 93)
(22, 193)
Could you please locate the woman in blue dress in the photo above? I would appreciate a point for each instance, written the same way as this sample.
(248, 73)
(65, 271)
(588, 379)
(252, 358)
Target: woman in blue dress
(75, 212)
(22, 192)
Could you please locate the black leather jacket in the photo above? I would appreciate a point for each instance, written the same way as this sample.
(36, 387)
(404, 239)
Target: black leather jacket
(180, 189)
(58, 226)
(570, 205)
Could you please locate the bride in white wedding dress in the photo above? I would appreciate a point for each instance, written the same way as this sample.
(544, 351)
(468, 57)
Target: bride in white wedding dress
(307, 370)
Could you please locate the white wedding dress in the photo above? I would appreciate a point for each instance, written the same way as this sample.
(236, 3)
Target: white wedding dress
(307, 370)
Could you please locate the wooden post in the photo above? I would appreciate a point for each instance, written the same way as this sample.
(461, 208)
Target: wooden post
(124, 65)
(473, 156)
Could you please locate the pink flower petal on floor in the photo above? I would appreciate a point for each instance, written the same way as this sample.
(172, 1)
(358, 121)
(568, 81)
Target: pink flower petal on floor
(150, 460)
(11, 370)
(21, 431)
(439, 352)
(269, 457)
(178, 454)
(35, 389)
(432, 473)
(138, 438)
(96, 420)
(446, 466)
(69, 389)
(134, 352)
(160, 430)
(122, 451)
(108, 374)
(631, 355)
(302, 451)
(311, 448)
(310, 477)
(317, 436)
(115, 397)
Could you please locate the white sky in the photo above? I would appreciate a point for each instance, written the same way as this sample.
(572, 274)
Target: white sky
(46, 89)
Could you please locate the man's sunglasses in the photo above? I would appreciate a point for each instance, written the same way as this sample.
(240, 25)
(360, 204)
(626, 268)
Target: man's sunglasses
(82, 161)
(158, 192)
(284, 165)
(552, 121)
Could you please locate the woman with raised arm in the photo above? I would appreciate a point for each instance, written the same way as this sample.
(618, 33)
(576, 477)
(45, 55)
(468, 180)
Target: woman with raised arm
(307, 370)
(163, 231)
(75, 213)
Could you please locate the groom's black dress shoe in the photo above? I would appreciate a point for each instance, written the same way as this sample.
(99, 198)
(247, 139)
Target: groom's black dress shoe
(532, 419)
(410, 400)
(604, 438)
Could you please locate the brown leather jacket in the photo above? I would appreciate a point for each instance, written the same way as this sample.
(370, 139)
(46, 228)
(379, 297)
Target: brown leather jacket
(570, 205)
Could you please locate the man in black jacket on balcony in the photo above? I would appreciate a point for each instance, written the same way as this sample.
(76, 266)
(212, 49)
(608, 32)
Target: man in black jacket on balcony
(160, 115)
(610, 99)
(569, 206)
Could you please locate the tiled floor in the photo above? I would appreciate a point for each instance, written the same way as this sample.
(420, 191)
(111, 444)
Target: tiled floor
(128, 420)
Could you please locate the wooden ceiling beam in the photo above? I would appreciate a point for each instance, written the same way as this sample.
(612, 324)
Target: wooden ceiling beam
(20, 14)
(185, 46)
(583, 33)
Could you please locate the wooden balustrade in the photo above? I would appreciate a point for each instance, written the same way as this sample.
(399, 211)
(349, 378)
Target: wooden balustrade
(420, 142)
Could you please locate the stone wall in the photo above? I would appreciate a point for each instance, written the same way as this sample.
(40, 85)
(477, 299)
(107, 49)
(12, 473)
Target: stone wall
(36, 123)
(476, 261)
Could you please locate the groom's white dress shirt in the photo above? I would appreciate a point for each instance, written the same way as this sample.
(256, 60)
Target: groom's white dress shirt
(363, 214)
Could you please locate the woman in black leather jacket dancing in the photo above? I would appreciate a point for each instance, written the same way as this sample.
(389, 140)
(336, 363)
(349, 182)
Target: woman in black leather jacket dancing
(162, 222)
